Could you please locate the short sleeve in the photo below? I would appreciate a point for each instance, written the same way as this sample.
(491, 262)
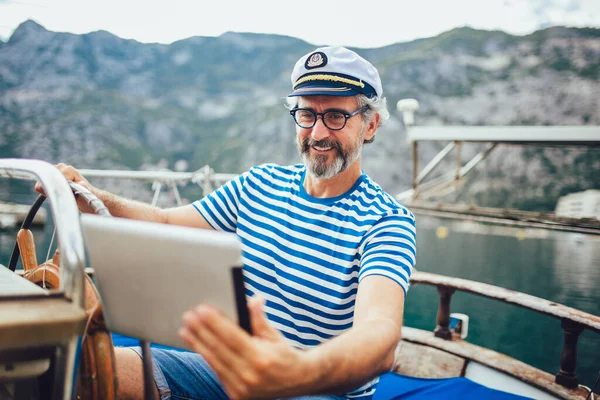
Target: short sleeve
(220, 208)
(389, 249)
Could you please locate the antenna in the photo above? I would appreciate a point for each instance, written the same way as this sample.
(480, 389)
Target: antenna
(408, 107)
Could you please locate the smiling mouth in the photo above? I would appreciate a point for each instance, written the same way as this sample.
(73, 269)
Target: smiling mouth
(322, 148)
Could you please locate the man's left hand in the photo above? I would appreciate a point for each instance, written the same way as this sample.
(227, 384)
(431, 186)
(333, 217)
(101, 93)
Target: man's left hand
(263, 365)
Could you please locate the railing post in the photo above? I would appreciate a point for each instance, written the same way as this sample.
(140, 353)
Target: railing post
(176, 193)
(156, 186)
(207, 184)
(568, 359)
(415, 167)
(458, 160)
(442, 330)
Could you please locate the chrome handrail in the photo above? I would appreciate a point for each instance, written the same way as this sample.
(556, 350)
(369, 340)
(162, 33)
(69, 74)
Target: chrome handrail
(66, 219)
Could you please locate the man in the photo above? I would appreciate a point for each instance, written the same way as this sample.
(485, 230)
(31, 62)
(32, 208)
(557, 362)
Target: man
(327, 257)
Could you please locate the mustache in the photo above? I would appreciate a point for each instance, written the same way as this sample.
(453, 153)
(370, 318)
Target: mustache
(307, 143)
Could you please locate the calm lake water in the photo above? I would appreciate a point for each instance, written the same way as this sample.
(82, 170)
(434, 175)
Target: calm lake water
(562, 267)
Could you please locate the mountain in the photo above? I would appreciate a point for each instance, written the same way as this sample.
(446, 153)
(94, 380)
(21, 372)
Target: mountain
(99, 101)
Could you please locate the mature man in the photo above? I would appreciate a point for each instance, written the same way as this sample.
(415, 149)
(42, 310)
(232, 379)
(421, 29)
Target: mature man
(327, 257)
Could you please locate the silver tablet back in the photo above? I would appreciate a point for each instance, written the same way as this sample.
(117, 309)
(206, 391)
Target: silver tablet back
(149, 274)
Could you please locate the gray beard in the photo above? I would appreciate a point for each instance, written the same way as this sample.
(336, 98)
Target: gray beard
(317, 166)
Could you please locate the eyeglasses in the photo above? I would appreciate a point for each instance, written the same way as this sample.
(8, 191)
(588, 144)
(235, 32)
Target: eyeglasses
(334, 120)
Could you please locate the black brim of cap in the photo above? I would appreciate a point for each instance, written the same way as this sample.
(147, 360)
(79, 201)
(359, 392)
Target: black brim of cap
(324, 91)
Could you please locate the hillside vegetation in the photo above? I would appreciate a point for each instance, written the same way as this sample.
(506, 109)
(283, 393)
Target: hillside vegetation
(99, 101)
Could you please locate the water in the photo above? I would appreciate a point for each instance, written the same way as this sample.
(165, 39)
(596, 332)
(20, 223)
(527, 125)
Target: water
(558, 266)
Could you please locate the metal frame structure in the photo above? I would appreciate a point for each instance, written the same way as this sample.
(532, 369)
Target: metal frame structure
(495, 136)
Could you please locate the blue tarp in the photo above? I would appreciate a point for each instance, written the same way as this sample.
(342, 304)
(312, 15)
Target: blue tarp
(394, 386)
(126, 341)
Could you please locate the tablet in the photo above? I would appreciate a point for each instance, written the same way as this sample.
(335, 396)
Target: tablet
(148, 274)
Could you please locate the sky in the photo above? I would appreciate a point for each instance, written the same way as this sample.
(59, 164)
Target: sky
(355, 23)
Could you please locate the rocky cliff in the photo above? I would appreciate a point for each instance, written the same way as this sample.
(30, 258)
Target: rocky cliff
(99, 101)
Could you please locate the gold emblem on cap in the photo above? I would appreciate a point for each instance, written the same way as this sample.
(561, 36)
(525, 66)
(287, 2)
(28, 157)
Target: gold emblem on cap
(316, 60)
(332, 78)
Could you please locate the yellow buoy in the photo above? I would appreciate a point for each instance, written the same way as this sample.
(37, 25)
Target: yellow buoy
(442, 232)
(521, 234)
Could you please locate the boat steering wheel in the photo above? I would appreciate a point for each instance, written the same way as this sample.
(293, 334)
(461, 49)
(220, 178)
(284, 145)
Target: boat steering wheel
(96, 378)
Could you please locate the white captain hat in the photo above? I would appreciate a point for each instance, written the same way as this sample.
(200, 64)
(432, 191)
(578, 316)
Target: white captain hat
(335, 71)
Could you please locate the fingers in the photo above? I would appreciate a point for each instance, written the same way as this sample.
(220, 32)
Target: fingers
(256, 301)
(245, 364)
(39, 188)
(209, 343)
(259, 321)
(223, 371)
(71, 174)
(231, 366)
(225, 330)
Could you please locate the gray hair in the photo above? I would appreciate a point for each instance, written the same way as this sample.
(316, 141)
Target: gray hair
(377, 105)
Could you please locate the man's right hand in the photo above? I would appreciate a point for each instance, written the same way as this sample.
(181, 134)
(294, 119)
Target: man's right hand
(71, 174)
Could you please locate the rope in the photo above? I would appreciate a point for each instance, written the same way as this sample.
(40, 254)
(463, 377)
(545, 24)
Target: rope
(87, 324)
(91, 199)
(48, 257)
(591, 394)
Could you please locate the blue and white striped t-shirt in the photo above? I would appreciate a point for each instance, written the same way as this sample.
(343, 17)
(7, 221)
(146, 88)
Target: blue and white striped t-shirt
(307, 255)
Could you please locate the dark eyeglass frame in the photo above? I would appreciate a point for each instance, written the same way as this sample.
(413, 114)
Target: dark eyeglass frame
(322, 115)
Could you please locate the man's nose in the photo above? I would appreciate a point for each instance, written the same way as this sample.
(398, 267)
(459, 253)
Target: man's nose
(319, 131)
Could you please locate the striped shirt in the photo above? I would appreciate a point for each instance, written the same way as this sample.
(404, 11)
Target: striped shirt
(307, 255)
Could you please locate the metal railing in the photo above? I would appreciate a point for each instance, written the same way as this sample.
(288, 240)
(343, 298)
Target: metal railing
(205, 177)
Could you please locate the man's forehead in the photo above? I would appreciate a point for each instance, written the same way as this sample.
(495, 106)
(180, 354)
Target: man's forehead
(328, 102)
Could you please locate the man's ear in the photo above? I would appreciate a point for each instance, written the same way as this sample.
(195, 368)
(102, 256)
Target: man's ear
(372, 127)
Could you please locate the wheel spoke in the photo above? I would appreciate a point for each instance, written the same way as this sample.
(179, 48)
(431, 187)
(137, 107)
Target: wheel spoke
(27, 249)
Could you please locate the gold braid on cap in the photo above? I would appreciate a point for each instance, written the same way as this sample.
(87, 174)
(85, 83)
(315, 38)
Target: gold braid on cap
(333, 78)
